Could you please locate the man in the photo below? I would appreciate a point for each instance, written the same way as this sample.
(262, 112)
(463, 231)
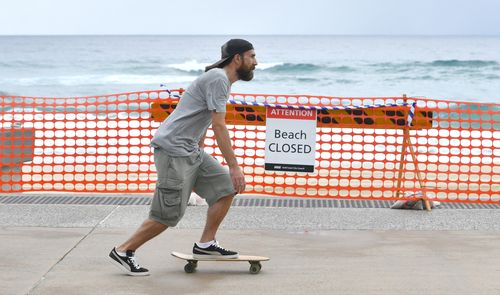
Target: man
(183, 166)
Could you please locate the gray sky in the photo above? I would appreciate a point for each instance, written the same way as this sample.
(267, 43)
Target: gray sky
(365, 17)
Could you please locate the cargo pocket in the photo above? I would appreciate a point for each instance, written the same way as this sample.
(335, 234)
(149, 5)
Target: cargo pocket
(170, 196)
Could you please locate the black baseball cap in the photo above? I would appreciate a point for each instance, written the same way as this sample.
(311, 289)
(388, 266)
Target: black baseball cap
(229, 49)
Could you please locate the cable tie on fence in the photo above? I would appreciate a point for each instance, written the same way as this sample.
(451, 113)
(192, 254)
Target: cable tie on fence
(170, 95)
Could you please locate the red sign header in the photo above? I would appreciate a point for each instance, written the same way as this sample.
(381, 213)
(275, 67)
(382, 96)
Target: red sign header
(295, 114)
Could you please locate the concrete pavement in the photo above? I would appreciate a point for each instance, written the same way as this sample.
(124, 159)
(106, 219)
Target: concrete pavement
(62, 249)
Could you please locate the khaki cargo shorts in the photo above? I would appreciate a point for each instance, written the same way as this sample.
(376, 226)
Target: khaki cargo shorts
(179, 176)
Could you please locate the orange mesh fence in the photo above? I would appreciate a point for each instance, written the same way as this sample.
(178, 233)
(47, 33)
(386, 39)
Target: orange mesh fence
(449, 151)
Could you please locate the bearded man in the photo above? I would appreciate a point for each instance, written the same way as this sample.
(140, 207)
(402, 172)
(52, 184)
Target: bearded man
(183, 166)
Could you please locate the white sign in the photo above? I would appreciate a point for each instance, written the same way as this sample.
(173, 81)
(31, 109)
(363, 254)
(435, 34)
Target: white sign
(290, 139)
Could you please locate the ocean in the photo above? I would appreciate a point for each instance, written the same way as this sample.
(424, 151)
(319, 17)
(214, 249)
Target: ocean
(452, 68)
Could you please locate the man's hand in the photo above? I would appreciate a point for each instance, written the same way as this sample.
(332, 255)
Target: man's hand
(238, 179)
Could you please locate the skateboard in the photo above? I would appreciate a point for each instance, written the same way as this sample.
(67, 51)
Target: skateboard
(192, 263)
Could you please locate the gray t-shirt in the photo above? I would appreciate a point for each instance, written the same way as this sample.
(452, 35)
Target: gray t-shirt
(180, 133)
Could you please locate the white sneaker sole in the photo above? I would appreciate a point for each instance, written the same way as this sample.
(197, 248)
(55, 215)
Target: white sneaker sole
(214, 257)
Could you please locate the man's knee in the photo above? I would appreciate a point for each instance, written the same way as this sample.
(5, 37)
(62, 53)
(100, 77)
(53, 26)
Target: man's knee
(229, 197)
(225, 199)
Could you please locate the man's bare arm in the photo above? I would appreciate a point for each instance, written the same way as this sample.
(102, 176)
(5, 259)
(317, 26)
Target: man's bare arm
(224, 143)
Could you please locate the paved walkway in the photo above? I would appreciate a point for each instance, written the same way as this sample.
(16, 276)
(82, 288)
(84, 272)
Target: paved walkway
(62, 249)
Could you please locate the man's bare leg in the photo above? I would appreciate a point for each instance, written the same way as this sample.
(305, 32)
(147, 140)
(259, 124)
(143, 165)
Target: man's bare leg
(215, 215)
(148, 230)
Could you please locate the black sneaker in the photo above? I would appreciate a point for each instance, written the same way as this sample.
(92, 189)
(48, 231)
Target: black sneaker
(128, 263)
(213, 251)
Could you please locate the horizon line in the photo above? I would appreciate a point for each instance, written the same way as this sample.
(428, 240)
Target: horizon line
(256, 35)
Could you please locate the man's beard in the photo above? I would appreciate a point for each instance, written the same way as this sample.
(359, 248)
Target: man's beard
(244, 73)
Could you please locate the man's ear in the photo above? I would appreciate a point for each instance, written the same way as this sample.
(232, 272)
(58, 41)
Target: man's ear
(238, 59)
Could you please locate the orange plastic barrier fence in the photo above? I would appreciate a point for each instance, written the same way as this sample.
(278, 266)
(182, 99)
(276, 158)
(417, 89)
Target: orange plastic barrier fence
(450, 151)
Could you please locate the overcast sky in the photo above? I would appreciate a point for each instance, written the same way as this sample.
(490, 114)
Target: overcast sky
(225, 17)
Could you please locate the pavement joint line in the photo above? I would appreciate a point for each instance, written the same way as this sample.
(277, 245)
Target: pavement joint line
(70, 250)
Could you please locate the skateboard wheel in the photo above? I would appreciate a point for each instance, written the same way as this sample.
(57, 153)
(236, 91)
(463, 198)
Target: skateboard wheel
(190, 267)
(255, 268)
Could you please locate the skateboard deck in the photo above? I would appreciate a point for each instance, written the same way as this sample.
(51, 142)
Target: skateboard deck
(190, 267)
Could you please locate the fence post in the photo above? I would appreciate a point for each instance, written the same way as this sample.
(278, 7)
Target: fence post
(402, 161)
